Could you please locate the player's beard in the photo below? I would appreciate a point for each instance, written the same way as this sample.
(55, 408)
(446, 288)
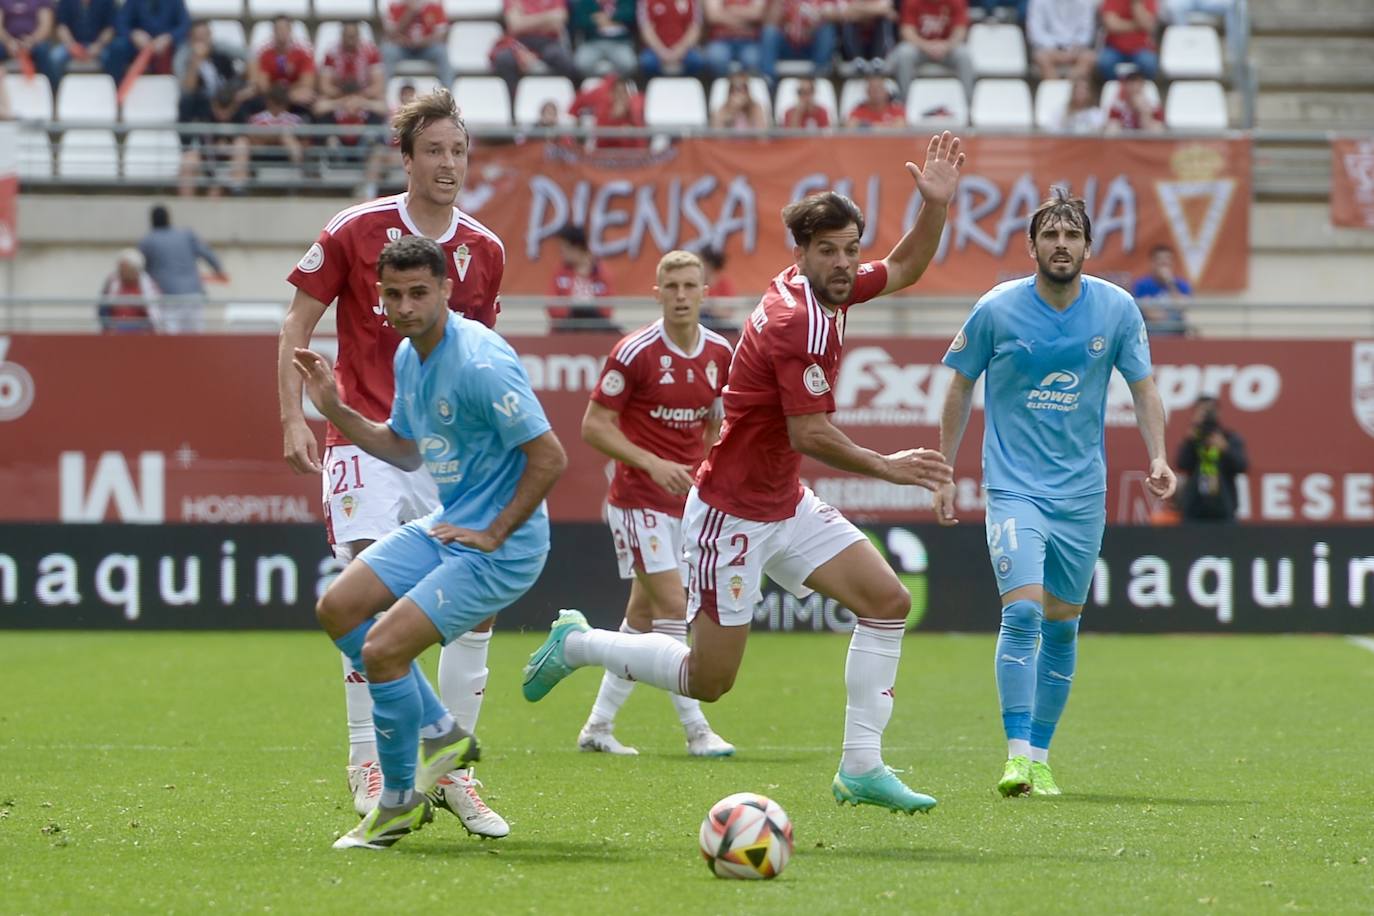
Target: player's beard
(820, 286)
(1060, 274)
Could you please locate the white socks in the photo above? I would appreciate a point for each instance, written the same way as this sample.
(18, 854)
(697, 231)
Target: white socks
(870, 671)
(362, 740)
(463, 677)
(688, 709)
(1040, 755)
(649, 657)
(1018, 747)
(614, 691)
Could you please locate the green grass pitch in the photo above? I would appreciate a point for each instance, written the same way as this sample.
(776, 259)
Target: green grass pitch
(203, 773)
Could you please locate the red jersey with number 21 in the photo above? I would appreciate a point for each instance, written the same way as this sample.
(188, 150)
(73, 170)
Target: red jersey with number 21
(785, 365)
(342, 265)
(664, 397)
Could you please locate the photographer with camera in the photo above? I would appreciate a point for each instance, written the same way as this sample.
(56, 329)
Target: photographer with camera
(1211, 456)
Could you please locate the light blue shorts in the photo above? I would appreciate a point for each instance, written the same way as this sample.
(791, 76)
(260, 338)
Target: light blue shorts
(457, 587)
(1054, 543)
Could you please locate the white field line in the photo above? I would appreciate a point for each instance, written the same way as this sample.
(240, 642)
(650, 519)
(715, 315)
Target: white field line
(1364, 642)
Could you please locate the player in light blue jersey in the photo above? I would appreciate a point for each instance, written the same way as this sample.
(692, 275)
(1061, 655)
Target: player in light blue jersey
(463, 409)
(1047, 345)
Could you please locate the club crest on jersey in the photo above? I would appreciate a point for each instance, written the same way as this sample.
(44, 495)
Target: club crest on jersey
(712, 373)
(312, 260)
(960, 341)
(349, 505)
(1004, 565)
(666, 364)
(445, 410)
(393, 234)
(653, 543)
(612, 383)
(461, 259)
(814, 380)
(1097, 346)
(691, 376)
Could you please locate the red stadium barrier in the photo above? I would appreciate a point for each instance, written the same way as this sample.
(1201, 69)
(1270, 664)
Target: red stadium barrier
(185, 429)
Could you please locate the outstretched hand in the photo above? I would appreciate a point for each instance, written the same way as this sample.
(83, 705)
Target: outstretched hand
(317, 377)
(940, 176)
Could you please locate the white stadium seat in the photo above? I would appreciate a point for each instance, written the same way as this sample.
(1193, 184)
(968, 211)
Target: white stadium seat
(1051, 101)
(483, 100)
(1001, 103)
(86, 97)
(35, 155)
(261, 35)
(345, 9)
(327, 37)
(997, 49)
(266, 9)
(787, 97)
(229, 35)
(675, 101)
(758, 88)
(1112, 89)
(152, 154)
(472, 9)
(87, 154)
(423, 85)
(930, 94)
(152, 101)
(30, 99)
(854, 91)
(215, 9)
(253, 317)
(1197, 105)
(533, 91)
(470, 43)
(1190, 52)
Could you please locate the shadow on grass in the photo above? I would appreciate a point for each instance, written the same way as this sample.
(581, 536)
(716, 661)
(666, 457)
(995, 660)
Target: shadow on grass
(953, 856)
(534, 851)
(1103, 799)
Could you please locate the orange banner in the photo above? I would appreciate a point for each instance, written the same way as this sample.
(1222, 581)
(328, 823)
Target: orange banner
(1192, 195)
(1352, 183)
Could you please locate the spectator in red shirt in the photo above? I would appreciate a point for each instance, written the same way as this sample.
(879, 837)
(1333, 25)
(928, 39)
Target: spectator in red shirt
(351, 92)
(417, 30)
(128, 297)
(285, 62)
(1134, 108)
(577, 285)
(878, 109)
(799, 30)
(536, 30)
(806, 113)
(670, 31)
(1130, 26)
(932, 31)
(868, 32)
(619, 108)
(734, 36)
(715, 314)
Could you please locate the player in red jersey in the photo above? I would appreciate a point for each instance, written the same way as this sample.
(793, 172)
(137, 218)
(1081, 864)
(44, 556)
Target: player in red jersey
(749, 515)
(655, 411)
(364, 497)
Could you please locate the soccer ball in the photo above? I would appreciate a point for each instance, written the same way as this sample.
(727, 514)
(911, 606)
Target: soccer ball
(746, 836)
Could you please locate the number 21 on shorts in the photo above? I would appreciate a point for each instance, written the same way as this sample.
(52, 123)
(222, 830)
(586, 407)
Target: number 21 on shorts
(997, 532)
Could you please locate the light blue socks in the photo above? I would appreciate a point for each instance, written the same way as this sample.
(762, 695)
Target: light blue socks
(1054, 669)
(1016, 666)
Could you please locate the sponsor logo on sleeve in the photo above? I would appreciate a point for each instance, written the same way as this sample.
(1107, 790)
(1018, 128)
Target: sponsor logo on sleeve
(815, 381)
(612, 383)
(313, 259)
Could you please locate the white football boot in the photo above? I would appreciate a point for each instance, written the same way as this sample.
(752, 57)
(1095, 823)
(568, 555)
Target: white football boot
(598, 737)
(703, 742)
(365, 783)
(456, 793)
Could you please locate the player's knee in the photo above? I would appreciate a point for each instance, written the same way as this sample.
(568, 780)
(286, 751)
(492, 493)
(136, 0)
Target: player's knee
(381, 661)
(890, 602)
(329, 612)
(711, 687)
(1022, 615)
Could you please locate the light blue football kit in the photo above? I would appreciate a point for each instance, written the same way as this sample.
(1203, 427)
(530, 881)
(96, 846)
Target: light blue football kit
(1044, 467)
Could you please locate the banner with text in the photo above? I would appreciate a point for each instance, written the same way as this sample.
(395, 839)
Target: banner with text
(1193, 196)
(185, 429)
(1352, 183)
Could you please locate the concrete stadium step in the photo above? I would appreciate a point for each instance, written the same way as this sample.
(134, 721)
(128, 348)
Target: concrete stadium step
(1312, 110)
(1334, 17)
(1281, 60)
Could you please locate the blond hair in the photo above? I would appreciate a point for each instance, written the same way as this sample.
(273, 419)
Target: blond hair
(674, 260)
(412, 118)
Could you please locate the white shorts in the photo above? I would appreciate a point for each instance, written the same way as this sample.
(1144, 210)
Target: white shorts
(366, 499)
(727, 557)
(646, 540)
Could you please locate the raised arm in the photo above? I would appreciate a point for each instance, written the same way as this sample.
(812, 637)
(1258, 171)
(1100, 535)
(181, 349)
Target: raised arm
(816, 437)
(377, 439)
(936, 182)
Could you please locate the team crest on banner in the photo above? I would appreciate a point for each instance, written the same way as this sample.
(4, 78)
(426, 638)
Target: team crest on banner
(1195, 206)
(461, 259)
(1362, 384)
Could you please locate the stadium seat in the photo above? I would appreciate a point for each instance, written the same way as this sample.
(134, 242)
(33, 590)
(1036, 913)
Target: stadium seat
(931, 94)
(1196, 105)
(229, 34)
(758, 88)
(533, 91)
(1112, 88)
(327, 37)
(152, 154)
(1190, 52)
(87, 153)
(30, 99)
(1001, 103)
(266, 9)
(787, 97)
(1051, 101)
(35, 155)
(215, 9)
(470, 43)
(854, 90)
(483, 100)
(675, 101)
(473, 9)
(253, 317)
(422, 84)
(152, 101)
(345, 9)
(997, 49)
(261, 35)
(86, 97)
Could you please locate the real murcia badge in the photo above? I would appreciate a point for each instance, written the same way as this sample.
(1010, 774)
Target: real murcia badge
(711, 373)
(461, 259)
(393, 234)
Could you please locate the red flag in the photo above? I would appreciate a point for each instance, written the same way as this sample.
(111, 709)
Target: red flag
(26, 66)
(135, 71)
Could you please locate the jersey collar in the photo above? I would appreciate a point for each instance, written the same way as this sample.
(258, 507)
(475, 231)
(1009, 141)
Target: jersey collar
(668, 341)
(415, 230)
